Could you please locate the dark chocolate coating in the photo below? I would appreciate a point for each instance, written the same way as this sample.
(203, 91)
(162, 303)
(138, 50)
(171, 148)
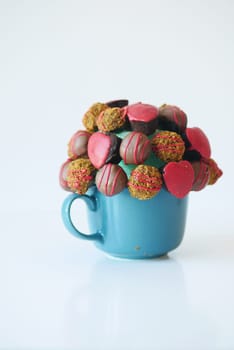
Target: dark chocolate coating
(146, 128)
(103, 148)
(191, 155)
(114, 156)
(172, 118)
(165, 124)
(117, 103)
(185, 139)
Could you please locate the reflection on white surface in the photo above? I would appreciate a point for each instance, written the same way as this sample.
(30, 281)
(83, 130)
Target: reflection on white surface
(58, 292)
(135, 304)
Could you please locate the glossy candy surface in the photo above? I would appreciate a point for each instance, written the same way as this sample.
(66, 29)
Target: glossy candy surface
(111, 179)
(63, 175)
(142, 117)
(135, 148)
(198, 141)
(172, 118)
(103, 148)
(77, 145)
(178, 178)
(201, 175)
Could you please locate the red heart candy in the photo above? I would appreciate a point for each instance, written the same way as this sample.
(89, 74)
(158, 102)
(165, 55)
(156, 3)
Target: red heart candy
(98, 149)
(198, 141)
(178, 178)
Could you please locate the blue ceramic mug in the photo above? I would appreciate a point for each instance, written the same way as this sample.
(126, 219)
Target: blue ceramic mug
(126, 227)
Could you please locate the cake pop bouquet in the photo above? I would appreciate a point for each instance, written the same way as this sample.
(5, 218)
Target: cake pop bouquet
(140, 147)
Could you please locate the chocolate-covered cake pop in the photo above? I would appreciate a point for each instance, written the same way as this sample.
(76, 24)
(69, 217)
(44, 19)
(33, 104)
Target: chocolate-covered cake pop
(63, 175)
(201, 175)
(145, 182)
(151, 146)
(103, 148)
(168, 146)
(111, 179)
(80, 175)
(135, 148)
(171, 118)
(111, 119)
(142, 117)
(77, 145)
(90, 117)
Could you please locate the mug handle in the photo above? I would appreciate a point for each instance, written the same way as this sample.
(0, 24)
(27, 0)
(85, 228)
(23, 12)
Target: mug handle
(66, 216)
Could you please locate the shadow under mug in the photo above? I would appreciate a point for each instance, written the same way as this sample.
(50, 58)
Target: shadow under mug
(126, 227)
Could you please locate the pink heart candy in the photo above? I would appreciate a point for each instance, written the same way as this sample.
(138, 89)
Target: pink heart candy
(178, 178)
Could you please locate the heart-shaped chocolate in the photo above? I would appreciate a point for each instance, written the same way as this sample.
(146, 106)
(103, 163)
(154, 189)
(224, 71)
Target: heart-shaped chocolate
(178, 178)
(103, 148)
(198, 141)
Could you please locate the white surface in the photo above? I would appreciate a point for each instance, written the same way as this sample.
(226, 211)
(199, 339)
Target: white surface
(61, 293)
(56, 59)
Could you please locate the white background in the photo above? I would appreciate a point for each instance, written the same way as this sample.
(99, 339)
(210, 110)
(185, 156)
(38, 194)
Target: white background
(56, 59)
